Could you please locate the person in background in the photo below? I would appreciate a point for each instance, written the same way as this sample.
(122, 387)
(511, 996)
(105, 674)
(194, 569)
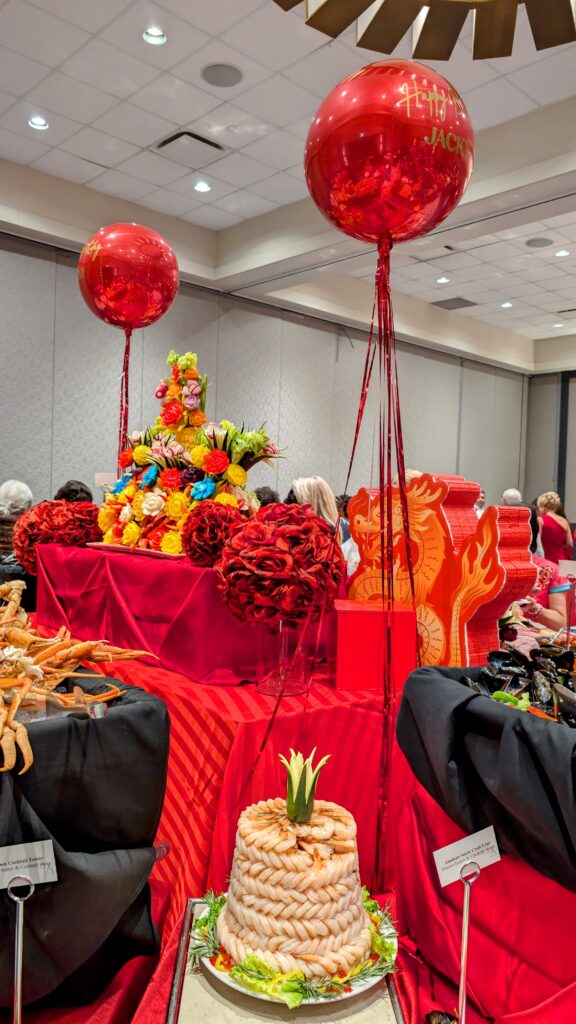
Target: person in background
(479, 504)
(73, 490)
(266, 496)
(342, 506)
(547, 604)
(314, 491)
(15, 498)
(511, 497)
(556, 534)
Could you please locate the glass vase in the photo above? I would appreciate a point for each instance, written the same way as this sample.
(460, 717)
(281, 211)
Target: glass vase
(284, 663)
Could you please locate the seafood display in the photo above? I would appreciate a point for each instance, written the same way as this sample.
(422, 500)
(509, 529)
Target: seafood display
(296, 924)
(32, 666)
(541, 684)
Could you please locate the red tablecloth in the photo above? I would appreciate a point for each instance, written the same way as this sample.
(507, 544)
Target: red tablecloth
(522, 955)
(161, 605)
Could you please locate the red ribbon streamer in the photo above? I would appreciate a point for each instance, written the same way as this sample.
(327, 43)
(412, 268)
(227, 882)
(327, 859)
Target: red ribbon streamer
(124, 398)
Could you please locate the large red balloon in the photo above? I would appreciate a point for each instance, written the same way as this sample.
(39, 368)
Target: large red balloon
(389, 152)
(128, 275)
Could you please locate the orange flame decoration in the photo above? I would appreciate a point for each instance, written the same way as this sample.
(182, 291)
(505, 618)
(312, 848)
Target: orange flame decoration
(466, 571)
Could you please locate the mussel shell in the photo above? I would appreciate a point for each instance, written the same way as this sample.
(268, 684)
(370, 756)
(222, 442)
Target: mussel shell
(541, 692)
(566, 704)
(478, 685)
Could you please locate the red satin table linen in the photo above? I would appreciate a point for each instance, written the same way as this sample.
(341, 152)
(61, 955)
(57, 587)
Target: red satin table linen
(162, 605)
(522, 953)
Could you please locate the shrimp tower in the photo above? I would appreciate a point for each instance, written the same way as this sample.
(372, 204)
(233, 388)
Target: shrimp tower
(295, 899)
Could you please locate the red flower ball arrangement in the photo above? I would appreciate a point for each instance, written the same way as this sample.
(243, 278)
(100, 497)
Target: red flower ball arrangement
(283, 565)
(74, 523)
(207, 529)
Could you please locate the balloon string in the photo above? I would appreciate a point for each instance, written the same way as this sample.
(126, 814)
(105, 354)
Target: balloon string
(124, 397)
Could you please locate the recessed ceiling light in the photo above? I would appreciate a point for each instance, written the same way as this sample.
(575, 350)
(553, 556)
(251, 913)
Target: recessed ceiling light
(202, 186)
(562, 252)
(222, 75)
(442, 280)
(506, 305)
(39, 123)
(539, 243)
(558, 325)
(154, 36)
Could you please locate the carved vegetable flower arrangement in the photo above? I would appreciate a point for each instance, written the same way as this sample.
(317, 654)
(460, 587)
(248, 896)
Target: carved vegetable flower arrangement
(302, 782)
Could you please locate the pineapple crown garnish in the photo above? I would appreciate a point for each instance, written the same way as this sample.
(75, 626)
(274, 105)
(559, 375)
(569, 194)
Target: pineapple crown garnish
(302, 781)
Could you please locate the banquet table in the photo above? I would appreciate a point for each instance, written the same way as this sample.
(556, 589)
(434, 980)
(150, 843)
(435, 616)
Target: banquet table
(153, 602)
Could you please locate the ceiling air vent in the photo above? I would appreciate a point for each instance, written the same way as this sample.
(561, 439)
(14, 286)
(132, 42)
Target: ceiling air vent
(458, 303)
(192, 150)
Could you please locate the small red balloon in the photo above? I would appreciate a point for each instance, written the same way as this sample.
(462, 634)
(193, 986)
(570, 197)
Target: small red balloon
(389, 152)
(128, 275)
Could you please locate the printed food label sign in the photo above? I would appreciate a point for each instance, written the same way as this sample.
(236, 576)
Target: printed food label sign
(480, 848)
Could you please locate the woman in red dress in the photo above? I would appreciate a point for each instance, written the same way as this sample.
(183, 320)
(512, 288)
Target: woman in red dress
(555, 529)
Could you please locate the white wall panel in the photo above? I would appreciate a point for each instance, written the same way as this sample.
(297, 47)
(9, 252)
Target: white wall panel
(27, 287)
(430, 399)
(492, 429)
(542, 435)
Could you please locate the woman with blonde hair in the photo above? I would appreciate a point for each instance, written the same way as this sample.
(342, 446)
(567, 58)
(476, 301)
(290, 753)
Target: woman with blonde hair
(314, 491)
(555, 529)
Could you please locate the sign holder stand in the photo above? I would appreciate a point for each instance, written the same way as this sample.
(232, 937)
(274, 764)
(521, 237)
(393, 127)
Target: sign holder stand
(469, 873)
(19, 882)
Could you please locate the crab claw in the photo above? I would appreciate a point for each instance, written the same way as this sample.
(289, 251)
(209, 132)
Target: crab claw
(8, 748)
(23, 743)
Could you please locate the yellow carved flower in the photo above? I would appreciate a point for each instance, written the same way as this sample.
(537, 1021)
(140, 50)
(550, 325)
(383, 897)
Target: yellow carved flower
(171, 543)
(176, 505)
(226, 499)
(131, 535)
(174, 390)
(130, 490)
(137, 504)
(198, 455)
(186, 436)
(109, 537)
(141, 454)
(236, 475)
(106, 519)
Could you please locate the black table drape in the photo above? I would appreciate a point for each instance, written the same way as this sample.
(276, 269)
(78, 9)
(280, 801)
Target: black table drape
(96, 789)
(486, 764)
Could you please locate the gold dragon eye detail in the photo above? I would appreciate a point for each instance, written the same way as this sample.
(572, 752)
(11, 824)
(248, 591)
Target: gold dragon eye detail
(437, 24)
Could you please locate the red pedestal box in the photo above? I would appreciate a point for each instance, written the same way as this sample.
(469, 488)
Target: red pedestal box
(362, 639)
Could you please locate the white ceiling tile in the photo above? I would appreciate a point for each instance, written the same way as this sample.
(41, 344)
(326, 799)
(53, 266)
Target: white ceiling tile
(19, 149)
(474, 243)
(64, 165)
(115, 183)
(524, 51)
(173, 98)
(218, 52)
(86, 14)
(70, 97)
(185, 186)
(90, 144)
(126, 33)
(496, 102)
(6, 101)
(230, 127)
(300, 128)
(286, 39)
(462, 72)
(168, 202)
(18, 74)
(16, 120)
(213, 18)
(562, 220)
(278, 150)
(153, 168)
(134, 124)
(244, 204)
(549, 80)
(297, 172)
(210, 217)
(322, 70)
(456, 261)
(239, 170)
(281, 188)
(98, 62)
(278, 101)
(36, 34)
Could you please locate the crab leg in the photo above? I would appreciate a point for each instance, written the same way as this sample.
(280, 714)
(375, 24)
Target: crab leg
(23, 744)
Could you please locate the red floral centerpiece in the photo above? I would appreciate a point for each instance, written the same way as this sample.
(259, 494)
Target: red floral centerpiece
(207, 529)
(73, 523)
(282, 567)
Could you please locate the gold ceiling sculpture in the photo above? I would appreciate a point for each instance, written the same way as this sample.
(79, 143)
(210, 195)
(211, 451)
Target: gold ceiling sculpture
(381, 24)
